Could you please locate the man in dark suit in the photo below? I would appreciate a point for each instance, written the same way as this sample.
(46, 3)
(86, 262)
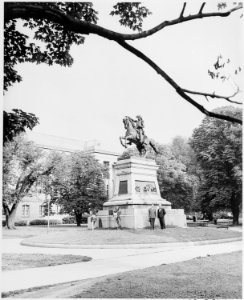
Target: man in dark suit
(161, 214)
(152, 212)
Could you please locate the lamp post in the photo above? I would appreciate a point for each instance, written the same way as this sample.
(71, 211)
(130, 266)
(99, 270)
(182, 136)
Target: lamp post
(48, 211)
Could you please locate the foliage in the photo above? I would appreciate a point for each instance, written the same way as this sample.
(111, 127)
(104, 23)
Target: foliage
(218, 148)
(176, 185)
(220, 69)
(23, 165)
(16, 122)
(68, 220)
(21, 223)
(56, 40)
(184, 154)
(45, 222)
(78, 182)
(38, 222)
(131, 14)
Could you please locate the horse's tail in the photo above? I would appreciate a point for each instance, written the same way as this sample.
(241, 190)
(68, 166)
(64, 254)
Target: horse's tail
(152, 144)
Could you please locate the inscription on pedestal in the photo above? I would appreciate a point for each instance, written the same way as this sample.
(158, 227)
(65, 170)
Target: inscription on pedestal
(123, 187)
(145, 187)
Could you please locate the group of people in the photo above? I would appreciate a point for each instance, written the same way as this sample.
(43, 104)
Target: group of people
(153, 212)
(116, 215)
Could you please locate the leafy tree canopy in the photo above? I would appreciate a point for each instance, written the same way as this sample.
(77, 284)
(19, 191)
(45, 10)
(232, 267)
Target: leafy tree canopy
(176, 184)
(23, 165)
(78, 184)
(218, 148)
(17, 122)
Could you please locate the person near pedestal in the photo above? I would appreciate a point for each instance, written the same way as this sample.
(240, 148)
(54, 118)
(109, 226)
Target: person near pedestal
(93, 220)
(161, 216)
(116, 215)
(152, 212)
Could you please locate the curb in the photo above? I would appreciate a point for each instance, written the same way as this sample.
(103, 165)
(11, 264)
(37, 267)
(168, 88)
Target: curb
(130, 246)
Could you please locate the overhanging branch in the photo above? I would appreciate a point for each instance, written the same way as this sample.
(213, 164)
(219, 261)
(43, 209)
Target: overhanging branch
(28, 10)
(213, 95)
(178, 89)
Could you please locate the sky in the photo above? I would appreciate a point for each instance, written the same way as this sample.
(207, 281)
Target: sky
(106, 82)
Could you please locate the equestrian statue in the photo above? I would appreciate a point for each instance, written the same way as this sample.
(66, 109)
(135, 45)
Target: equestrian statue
(135, 135)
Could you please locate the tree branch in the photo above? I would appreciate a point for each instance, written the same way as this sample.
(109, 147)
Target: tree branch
(6, 208)
(27, 10)
(182, 12)
(227, 98)
(201, 9)
(178, 89)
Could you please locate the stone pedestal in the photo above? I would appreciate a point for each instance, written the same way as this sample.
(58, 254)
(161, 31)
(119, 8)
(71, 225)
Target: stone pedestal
(135, 189)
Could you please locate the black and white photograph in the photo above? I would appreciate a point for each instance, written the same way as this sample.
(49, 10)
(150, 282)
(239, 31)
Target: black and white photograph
(122, 149)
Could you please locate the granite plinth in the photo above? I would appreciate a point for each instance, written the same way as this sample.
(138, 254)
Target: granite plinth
(135, 190)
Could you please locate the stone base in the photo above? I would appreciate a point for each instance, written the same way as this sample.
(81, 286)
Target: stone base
(136, 216)
(135, 190)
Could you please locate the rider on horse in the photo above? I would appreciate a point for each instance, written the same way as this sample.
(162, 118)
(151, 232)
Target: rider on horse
(135, 134)
(139, 127)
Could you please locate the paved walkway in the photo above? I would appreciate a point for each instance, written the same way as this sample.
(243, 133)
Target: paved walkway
(104, 262)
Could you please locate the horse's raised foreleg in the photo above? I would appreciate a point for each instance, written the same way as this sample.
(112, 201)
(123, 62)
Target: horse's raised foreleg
(151, 143)
(121, 138)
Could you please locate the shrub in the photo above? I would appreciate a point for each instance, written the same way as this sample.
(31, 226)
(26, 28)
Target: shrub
(3, 223)
(38, 222)
(55, 221)
(45, 222)
(21, 223)
(69, 220)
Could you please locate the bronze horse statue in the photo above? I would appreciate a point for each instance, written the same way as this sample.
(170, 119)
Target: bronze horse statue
(132, 137)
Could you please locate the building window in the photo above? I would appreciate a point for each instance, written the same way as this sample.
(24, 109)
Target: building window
(25, 210)
(123, 189)
(41, 210)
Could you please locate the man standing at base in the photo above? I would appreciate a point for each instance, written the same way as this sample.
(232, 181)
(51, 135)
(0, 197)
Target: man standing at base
(152, 212)
(161, 214)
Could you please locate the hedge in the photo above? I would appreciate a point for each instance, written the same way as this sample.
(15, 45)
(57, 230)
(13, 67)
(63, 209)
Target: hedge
(45, 222)
(17, 223)
(21, 223)
(69, 220)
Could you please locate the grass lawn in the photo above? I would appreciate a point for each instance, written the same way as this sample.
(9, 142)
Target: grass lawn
(217, 276)
(12, 261)
(83, 236)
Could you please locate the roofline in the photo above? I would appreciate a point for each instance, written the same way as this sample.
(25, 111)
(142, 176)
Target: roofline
(100, 151)
(88, 151)
(43, 146)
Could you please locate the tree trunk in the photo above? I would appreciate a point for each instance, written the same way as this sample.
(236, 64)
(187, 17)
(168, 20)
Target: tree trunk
(10, 216)
(235, 212)
(235, 208)
(78, 219)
